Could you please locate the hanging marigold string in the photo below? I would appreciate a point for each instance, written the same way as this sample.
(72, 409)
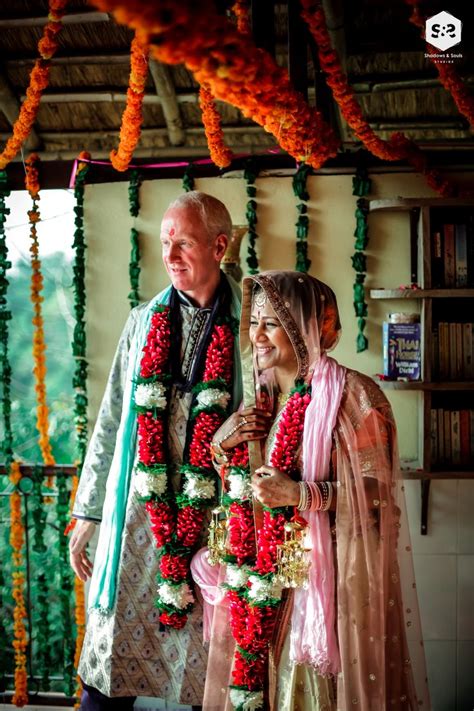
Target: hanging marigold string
(399, 147)
(251, 171)
(240, 9)
(134, 266)
(302, 225)
(5, 316)
(233, 68)
(361, 184)
(17, 539)
(220, 154)
(132, 118)
(39, 345)
(188, 178)
(39, 80)
(448, 75)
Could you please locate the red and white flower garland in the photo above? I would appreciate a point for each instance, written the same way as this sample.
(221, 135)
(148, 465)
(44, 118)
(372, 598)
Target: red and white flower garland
(176, 519)
(253, 591)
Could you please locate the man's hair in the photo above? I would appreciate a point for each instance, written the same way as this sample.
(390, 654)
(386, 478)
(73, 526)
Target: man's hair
(214, 214)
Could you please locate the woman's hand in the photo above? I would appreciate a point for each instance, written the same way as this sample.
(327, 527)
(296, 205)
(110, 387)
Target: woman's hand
(249, 424)
(274, 488)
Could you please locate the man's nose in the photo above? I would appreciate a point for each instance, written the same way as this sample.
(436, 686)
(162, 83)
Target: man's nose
(173, 252)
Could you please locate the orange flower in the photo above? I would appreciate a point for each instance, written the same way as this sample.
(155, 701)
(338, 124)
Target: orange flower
(220, 154)
(448, 76)
(399, 147)
(132, 117)
(241, 11)
(233, 69)
(39, 346)
(39, 79)
(20, 641)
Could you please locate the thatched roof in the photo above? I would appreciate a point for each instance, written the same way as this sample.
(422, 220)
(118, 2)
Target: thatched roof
(397, 86)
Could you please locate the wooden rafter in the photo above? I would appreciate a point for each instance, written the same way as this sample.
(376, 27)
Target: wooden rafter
(167, 95)
(80, 18)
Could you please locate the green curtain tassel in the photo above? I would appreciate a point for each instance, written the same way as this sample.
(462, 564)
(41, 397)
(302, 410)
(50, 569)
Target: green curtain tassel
(5, 317)
(361, 186)
(251, 171)
(188, 178)
(79, 381)
(302, 224)
(134, 265)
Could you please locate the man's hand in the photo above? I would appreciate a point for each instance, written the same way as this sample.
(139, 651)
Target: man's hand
(81, 535)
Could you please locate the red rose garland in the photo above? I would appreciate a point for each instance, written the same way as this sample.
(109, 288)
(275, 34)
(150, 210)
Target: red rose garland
(253, 592)
(176, 519)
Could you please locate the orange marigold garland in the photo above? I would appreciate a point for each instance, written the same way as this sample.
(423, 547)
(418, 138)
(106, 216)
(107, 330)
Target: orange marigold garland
(17, 539)
(233, 68)
(39, 79)
(448, 75)
(132, 118)
(39, 346)
(399, 147)
(220, 154)
(241, 11)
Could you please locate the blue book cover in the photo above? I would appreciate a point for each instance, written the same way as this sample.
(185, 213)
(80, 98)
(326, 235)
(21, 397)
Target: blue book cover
(402, 351)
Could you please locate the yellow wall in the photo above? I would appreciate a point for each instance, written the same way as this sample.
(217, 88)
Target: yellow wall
(331, 244)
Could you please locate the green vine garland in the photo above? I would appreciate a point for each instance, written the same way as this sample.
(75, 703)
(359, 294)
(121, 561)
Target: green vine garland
(251, 171)
(5, 316)
(79, 380)
(66, 585)
(134, 266)
(302, 224)
(361, 185)
(188, 178)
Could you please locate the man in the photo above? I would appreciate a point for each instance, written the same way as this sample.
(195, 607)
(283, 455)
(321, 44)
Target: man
(131, 648)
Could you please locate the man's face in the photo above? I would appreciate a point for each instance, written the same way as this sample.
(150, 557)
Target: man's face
(190, 255)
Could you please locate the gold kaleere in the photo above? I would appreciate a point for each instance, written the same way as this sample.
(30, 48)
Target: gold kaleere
(217, 543)
(292, 557)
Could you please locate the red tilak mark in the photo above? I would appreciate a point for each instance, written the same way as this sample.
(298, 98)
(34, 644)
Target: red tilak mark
(171, 232)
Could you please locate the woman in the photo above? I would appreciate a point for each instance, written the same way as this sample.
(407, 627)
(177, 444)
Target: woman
(327, 438)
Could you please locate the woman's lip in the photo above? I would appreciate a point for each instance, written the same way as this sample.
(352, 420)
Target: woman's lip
(264, 350)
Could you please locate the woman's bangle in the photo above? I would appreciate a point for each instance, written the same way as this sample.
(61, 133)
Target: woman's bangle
(303, 501)
(218, 454)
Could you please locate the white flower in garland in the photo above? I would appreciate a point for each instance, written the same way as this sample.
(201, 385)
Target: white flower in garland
(197, 488)
(263, 589)
(247, 700)
(239, 487)
(151, 395)
(213, 396)
(237, 577)
(179, 596)
(147, 483)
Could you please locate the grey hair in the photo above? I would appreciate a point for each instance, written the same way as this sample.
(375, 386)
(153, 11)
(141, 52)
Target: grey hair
(214, 214)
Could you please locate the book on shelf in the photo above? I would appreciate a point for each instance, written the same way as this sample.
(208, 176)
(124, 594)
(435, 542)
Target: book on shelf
(437, 264)
(449, 256)
(460, 255)
(467, 348)
(455, 438)
(452, 438)
(443, 338)
(402, 350)
(452, 352)
(470, 250)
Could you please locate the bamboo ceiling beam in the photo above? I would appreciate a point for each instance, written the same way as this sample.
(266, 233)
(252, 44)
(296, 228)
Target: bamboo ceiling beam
(100, 97)
(166, 94)
(251, 130)
(334, 11)
(79, 18)
(10, 107)
(116, 58)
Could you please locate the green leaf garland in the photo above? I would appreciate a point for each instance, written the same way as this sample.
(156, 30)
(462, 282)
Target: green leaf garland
(66, 586)
(79, 336)
(41, 627)
(302, 224)
(188, 178)
(361, 185)
(251, 171)
(134, 266)
(5, 316)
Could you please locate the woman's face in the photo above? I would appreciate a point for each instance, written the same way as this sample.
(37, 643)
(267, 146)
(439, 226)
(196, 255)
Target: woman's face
(268, 337)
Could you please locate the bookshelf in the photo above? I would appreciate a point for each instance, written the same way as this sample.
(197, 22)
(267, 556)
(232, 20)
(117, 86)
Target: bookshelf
(446, 296)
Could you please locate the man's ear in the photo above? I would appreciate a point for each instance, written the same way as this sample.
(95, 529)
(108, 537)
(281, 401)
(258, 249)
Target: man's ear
(221, 245)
